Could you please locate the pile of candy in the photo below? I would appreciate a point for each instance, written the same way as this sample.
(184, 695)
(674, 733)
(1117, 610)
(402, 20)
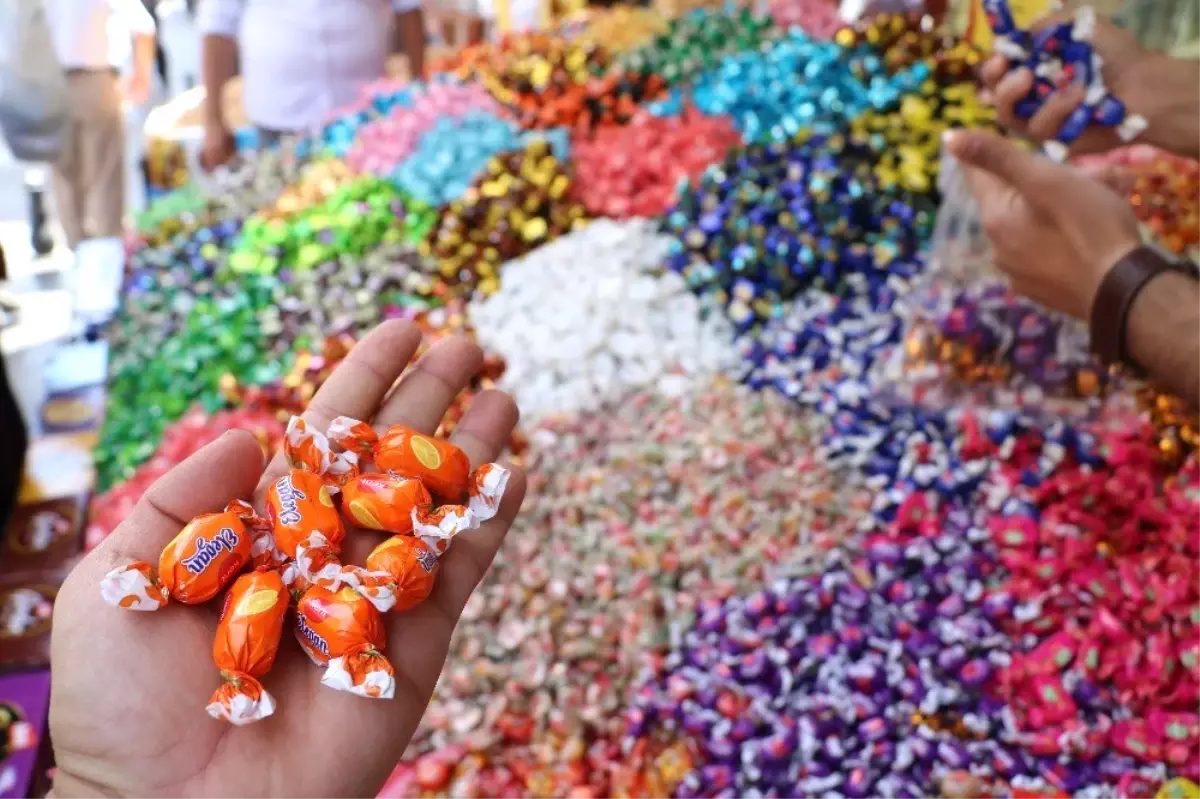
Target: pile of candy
(351, 221)
(591, 316)
(633, 515)
(383, 144)
(774, 220)
(456, 150)
(928, 548)
(696, 43)
(296, 549)
(520, 202)
(634, 170)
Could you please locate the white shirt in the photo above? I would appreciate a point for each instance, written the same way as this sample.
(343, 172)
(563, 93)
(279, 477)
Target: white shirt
(302, 59)
(80, 30)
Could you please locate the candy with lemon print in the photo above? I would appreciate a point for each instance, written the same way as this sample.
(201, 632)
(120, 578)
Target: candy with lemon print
(383, 501)
(244, 647)
(442, 467)
(258, 602)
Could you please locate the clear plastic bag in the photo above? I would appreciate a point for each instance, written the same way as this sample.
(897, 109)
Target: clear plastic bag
(970, 339)
(33, 88)
(959, 252)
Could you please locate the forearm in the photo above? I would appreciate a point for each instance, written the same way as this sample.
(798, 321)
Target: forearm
(219, 64)
(408, 38)
(1163, 334)
(143, 56)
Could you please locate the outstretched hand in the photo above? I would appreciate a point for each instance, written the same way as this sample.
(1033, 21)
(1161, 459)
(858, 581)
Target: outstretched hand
(129, 689)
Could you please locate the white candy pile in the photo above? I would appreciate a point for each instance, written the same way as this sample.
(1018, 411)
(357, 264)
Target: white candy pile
(592, 315)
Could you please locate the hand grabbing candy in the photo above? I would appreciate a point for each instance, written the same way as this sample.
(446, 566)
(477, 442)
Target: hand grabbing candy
(109, 663)
(1054, 231)
(1108, 72)
(1059, 83)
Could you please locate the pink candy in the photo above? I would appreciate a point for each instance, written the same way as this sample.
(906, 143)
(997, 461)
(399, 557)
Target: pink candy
(817, 18)
(384, 143)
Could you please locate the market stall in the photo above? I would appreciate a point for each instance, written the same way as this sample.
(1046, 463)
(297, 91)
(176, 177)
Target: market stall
(798, 507)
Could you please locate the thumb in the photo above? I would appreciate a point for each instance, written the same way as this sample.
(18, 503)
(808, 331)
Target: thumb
(989, 152)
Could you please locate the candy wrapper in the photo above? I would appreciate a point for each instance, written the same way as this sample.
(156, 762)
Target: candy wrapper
(443, 468)
(1059, 55)
(299, 504)
(194, 567)
(344, 632)
(308, 450)
(384, 502)
(244, 648)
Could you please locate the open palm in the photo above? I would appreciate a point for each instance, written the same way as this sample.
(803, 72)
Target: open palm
(129, 689)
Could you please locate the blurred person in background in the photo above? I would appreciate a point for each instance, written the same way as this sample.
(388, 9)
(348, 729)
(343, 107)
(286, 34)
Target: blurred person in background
(13, 434)
(89, 176)
(299, 60)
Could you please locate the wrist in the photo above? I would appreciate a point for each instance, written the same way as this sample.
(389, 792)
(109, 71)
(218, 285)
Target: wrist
(1117, 294)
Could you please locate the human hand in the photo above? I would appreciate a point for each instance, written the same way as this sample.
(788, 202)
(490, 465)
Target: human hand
(135, 89)
(219, 146)
(1054, 230)
(1132, 73)
(129, 690)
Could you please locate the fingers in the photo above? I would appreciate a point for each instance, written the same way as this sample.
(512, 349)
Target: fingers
(426, 392)
(223, 470)
(482, 434)
(1009, 90)
(359, 383)
(1116, 177)
(1049, 119)
(993, 71)
(992, 154)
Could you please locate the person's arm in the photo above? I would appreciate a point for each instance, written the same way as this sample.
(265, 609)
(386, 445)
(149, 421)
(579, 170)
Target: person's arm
(1161, 334)
(141, 26)
(218, 22)
(1174, 117)
(408, 35)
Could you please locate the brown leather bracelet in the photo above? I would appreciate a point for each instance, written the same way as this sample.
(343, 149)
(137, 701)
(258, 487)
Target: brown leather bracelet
(1115, 297)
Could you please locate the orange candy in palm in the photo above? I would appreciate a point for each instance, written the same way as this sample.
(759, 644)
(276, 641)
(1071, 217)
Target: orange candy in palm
(299, 504)
(441, 466)
(193, 568)
(244, 648)
(383, 501)
(345, 631)
(410, 565)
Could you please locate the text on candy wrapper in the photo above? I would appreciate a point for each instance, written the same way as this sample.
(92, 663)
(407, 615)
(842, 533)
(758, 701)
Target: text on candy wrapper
(289, 496)
(311, 635)
(207, 551)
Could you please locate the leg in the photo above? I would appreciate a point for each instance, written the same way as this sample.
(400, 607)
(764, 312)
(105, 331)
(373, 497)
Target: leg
(65, 185)
(102, 159)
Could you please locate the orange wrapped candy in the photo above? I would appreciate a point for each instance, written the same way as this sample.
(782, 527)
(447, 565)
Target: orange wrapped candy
(309, 451)
(441, 466)
(345, 631)
(411, 568)
(193, 568)
(244, 648)
(300, 504)
(383, 502)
